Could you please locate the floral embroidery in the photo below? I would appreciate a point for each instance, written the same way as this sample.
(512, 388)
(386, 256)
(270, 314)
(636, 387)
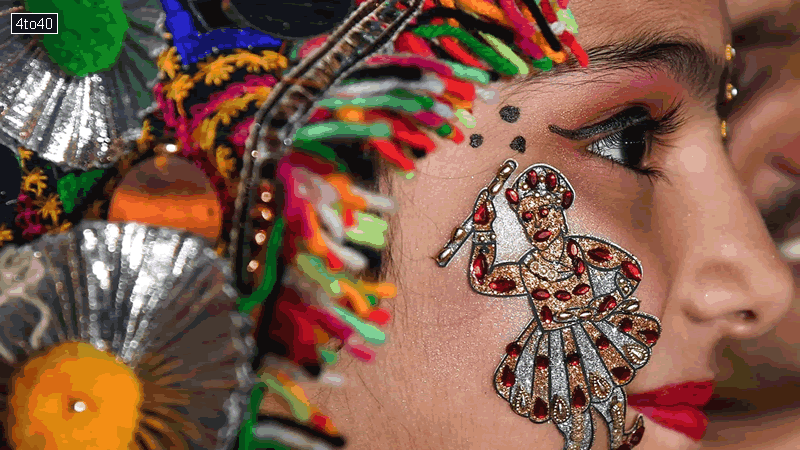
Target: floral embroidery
(6, 235)
(169, 62)
(35, 181)
(225, 162)
(24, 153)
(51, 208)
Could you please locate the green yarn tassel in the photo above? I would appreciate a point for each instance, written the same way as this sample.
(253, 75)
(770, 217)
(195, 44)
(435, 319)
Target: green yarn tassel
(485, 52)
(274, 246)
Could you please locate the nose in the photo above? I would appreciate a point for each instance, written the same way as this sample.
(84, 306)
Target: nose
(727, 271)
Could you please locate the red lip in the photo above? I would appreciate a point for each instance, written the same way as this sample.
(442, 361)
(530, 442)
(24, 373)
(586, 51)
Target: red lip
(678, 406)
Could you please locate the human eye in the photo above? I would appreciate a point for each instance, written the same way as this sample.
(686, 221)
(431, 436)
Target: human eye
(627, 137)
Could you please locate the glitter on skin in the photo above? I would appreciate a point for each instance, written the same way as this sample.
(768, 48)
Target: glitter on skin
(518, 144)
(475, 140)
(509, 113)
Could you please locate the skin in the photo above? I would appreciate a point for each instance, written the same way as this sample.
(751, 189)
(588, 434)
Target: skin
(705, 253)
(762, 373)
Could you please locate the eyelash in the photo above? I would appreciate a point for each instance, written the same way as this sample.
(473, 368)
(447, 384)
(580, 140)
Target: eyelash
(653, 131)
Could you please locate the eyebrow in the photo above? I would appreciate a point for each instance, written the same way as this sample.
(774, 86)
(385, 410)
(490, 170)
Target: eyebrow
(685, 59)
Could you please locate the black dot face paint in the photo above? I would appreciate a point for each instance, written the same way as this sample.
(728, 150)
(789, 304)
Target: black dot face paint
(509, 113)
(518, 144)
(475, 140)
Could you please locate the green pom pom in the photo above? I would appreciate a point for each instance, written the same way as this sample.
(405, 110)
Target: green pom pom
(90, 33)
(71, 188)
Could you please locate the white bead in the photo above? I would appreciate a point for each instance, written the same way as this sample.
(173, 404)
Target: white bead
(558, 27)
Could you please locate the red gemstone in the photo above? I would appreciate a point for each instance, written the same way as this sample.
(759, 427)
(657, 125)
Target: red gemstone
(581, 289)
(544, 211)
(625, 325)
(542, 362)
(539, 408)
(650, 336)
(550, 181)
(608, 303)
(636, 437)
(573, 359)
(513, 349)
(563, 295)
(532, 179)
(631, 271)
(507, 377)
(512, 196)
(546, 314)
(602, 342)
(542, 235)
(622, 373)
(481, 216)
(480, 267)
(580, 267)
(572, 249)
(566, 200)
(527, 216)
(503, 285)
(600, 254)
(578, 398)
(541, 294)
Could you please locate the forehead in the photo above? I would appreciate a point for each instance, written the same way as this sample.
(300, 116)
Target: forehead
(604, 22)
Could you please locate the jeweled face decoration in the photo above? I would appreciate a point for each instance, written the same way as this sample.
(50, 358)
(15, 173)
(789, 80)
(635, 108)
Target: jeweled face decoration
(586, 339)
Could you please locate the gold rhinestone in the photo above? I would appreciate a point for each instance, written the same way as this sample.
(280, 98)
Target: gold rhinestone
(266, 214)
(724, 129)
(252, 266)
(459, 234)
(560, 410)
(261, 237)
(730, 52)
(564, 315)
(266, 196)
(495, 187)
(631, 306)
(521, 402)
(506, 169)
(636, 354)
(599, 387)
(445, 255)
(730, 91)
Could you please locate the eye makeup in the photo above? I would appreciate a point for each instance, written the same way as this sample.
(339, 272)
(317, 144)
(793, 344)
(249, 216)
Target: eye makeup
(627, 137)
(635, 115)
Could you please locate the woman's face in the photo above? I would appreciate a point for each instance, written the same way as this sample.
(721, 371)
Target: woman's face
(710, 270)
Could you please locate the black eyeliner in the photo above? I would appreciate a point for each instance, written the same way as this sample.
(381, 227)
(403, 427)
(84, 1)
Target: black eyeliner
(636, 115)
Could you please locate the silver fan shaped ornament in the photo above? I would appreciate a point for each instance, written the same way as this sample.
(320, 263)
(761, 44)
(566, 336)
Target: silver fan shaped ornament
(158, 299)
(78, 122)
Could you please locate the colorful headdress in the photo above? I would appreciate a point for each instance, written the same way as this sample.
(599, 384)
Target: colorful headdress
(287, 132)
